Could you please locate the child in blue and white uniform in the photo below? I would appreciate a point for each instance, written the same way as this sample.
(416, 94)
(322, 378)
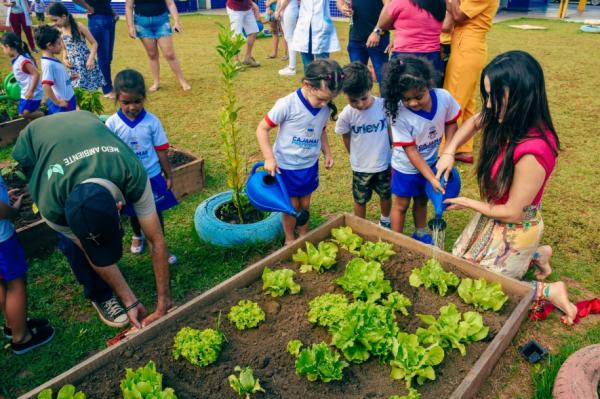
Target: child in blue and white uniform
(56, 80)
(144, 134)
(302, 118)
(420, 117)
(26, 73)
(364, 127)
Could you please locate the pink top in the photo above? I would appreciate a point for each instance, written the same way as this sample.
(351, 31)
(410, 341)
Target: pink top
(542, 152)
(417, 31)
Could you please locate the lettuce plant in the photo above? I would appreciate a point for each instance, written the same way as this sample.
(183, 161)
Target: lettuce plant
(412, 394)
(319, 260)
(366, 329)
(278, 282)
(246, 383)
(319, 362)
(66, 392)
(481, 294)
(397, 302)
(347, 239)
(365, 280)
(327, 309)
(246, 314)
(452, 329)
(433, 275)
(412, 361)
(145, 383)
(379, 251)
(294, 346)
(199, 347)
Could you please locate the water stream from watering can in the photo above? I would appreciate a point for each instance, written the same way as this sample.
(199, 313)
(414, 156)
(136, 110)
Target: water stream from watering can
(438, 234)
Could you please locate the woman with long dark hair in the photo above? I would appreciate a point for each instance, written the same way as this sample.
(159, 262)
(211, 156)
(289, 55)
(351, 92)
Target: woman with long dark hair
(518, 153)
(418, 24)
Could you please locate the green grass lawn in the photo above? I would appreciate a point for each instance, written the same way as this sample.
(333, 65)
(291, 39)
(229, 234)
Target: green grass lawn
(571, 203)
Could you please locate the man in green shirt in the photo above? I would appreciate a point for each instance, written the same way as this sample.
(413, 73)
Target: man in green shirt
(80, 175)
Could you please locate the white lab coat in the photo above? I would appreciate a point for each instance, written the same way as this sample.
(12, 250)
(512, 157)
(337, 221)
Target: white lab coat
(24, 8)
(315, 18)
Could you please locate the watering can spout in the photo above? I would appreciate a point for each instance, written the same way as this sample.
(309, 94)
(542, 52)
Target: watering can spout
(268, 193)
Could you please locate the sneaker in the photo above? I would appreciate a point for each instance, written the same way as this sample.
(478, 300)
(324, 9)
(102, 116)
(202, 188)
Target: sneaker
(39, 336)
(287, 71)
(111, 312)
(31, 324)
(425, 238)
(172, 259)
(387, 225)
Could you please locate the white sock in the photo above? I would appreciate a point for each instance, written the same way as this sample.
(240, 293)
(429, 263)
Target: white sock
(292, 59)
(384, 219)
(420, 231)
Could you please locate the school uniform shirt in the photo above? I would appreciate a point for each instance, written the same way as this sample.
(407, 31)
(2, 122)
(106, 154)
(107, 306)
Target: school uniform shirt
(423, 130)
(6, 227)
(370, 149)
(298, 141)
(56, 75)
(24, 78)
(145, 135)
(314, 21)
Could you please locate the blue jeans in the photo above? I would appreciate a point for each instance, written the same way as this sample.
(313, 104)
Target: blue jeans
(434, 57)
(94, 288)
(358, 51)
(102, 27)
(309, 57)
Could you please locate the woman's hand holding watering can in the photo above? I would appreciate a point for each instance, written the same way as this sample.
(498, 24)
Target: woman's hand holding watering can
(457, 203)
(271, 166)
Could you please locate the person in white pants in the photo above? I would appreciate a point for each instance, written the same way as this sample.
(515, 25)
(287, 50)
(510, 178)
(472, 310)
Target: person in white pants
(287, 11)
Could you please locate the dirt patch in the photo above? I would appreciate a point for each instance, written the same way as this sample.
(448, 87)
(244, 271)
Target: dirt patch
(264, 348)
(178, 158)
(228, 214)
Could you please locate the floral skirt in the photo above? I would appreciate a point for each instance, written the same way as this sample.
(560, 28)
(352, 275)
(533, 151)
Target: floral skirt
(505, 248)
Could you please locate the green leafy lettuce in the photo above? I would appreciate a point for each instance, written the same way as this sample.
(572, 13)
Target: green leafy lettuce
(433, 275)
(366, 329)
(199, 347)
(397, 302)
(319, 260)
(365, 280)
(347, 239)
(66, 392)
(452, 329)
(278, 282)
(412, 394)
(410, 360)
(246, 314)
(481, 294)
(144, 383)
(294, 346)
(245, 384)
(327, 309)
(319, 362)
(379, 251)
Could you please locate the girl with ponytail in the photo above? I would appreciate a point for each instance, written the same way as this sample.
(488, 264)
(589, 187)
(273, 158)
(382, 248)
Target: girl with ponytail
(76, 54)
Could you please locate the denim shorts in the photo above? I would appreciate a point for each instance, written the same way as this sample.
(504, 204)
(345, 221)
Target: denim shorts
(152, 27)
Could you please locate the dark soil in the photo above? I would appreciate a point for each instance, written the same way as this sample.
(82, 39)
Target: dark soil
(26, 215)
(177, 158)
(228, 214)
(264, 348)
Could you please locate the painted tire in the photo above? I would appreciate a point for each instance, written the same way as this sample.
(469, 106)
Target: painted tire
(590, 28)
(579, 375)
(216, 232)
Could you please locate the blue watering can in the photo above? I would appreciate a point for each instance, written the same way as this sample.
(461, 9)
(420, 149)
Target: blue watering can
(437, 198)
(268, 193)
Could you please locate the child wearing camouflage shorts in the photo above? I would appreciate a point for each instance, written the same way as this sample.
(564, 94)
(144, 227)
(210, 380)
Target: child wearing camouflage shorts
(364, 128)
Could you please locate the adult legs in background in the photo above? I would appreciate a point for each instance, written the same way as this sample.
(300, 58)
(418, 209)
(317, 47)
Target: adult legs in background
(290, 18)
(379, 57)
(168, 50)
(102, 27)
(275, 38)
(151, 47)
(18, 23)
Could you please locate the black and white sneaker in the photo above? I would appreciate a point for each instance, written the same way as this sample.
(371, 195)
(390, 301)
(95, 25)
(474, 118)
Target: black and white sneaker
(31, 324)
(39, 336)
(111, 312)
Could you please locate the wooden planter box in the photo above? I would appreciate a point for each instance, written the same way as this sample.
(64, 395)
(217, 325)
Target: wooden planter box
(9, 131)
(36, 238)
(118, 355)
(188, 178)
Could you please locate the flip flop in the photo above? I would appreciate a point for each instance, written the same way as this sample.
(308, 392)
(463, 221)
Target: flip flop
(464, 158)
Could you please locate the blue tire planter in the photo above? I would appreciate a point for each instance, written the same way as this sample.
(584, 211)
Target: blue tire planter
(217, 232)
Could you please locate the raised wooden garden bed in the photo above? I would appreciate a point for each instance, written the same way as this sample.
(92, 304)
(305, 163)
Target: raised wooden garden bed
(9, 131)
(188, 172)
(264, 348)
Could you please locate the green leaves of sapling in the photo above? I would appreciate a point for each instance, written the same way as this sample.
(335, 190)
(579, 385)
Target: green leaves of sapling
(327, 309)
(481, 294)
(199, 347)
(278, 282)
(314, 259)
(432, 275)
(246, 383)
(246, 314)
(365, 280)
(294, 346)
(319, 362)
(412, 394)
(145, 383)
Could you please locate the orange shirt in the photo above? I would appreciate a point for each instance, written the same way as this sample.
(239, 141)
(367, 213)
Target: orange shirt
(480, 13)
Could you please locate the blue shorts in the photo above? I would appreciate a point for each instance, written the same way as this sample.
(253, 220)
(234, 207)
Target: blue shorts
(163, 197)
(301, 182)
(12, 259)
(54, 109)
(152, 27)
(408, 185)
(28, 105)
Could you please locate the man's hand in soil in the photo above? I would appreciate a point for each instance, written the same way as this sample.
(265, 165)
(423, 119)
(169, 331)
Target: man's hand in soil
(153, 317)
(16, 197)
(137, 315)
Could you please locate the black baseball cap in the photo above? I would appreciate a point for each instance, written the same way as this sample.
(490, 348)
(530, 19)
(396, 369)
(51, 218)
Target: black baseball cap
(93, 217)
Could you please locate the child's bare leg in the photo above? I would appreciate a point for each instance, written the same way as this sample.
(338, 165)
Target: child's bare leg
(289, 222)
(420, 212)
(16, 309)
(304, 204)
(275, 40)
(386, 205)
(542, 262)
(398, 214)
(360, 210)
(3, 302)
